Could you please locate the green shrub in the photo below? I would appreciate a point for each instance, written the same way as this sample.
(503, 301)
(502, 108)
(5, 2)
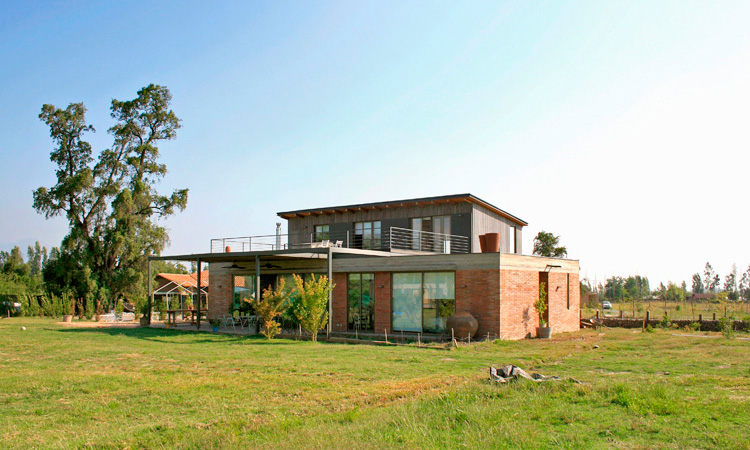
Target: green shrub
(727, 327)
(649, 328)
(695, 326)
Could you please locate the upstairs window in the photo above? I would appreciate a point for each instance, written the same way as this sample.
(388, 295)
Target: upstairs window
(367, 235)
(322, 233)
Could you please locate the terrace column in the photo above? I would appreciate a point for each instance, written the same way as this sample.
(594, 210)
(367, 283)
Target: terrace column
(198, 289)
(257, 278)
(330, 293)
(150, 293)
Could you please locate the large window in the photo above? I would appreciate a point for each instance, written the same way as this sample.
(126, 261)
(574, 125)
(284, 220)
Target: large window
(361, 308)
(322, 233)
(422, 239)
(367, 235)
(423, 301)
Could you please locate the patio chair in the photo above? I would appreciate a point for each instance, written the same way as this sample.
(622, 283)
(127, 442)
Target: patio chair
(325, 243)
(226, 320)
(338, 244)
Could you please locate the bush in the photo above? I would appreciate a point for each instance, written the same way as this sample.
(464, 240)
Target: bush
(695, 326)
(649, 328)
(270, 306)
(727, 327)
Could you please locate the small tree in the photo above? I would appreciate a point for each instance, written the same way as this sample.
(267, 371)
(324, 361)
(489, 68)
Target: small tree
(547, 244)
(270, 306)
(541, 304)
(312, 306)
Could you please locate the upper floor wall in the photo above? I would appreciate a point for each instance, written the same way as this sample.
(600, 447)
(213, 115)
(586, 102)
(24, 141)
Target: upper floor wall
(367, 225)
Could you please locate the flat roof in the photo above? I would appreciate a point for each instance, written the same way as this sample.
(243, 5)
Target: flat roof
(456, 198)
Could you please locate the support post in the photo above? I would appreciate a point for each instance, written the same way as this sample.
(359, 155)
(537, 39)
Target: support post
(150, 292)
(198, 290)
(257, 278)
(330, 292)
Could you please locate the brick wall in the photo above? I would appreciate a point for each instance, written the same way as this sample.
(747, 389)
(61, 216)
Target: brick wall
(564, 302)
(519, 291)
(219, 292)
(481, 298)
(338, 316)
(382, 302)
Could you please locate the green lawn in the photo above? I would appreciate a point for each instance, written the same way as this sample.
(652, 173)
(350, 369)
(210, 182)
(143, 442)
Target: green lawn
(63, 387)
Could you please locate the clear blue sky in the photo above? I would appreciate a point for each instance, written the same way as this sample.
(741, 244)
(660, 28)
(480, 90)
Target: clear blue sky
(620, 126)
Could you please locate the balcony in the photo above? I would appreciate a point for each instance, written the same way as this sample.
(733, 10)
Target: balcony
(399, 240)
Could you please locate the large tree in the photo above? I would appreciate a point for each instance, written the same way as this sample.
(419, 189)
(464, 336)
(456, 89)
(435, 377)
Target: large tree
(110, 200)
(547, 244)
(710, 278)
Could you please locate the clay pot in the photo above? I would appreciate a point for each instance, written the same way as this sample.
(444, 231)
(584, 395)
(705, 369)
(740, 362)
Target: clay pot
(67, 318)
(228, 249)
(493, 242)
(463, 324)
(544, 332)
(483, 243)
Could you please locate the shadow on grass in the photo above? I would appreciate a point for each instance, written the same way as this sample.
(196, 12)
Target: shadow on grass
(160, 335)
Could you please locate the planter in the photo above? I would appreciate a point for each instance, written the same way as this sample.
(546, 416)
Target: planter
(463, 324)
(215, 329)
(493, 242)
(483, 243)
(67, 318)
(544, 332)
(167, 325)
(144, 321)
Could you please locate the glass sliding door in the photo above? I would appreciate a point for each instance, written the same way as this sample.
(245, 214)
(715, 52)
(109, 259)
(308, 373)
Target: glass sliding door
(360, 304)
(423, 301)
(407, 301)
(438, 300)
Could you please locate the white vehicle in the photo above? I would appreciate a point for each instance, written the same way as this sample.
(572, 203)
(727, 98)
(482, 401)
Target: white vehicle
(606, 305)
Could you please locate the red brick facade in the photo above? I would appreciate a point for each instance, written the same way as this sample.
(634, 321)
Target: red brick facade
(502, 300)
(382, 302)
(220, 293)
(478, 292)
(338, 318)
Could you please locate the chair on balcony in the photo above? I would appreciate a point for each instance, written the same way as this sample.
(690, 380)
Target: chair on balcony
(338, 244)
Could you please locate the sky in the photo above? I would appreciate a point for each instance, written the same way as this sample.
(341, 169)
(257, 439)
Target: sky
(622, 127)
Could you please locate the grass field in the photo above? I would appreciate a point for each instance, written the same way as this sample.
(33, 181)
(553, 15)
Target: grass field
(64, 387)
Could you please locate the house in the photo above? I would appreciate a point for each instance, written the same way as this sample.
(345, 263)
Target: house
(404, 266)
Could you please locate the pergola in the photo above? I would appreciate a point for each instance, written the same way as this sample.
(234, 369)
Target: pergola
(271, 262)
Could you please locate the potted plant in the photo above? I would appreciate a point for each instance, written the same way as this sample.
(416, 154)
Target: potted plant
(143, 310)
(215, 325)
(542, 331)
(68, 306)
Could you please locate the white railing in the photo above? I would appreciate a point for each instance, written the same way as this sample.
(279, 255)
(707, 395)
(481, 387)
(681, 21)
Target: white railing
(425, 241)
(395, 238)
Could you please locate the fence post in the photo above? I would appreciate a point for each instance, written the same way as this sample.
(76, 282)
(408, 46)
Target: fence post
(714, 316)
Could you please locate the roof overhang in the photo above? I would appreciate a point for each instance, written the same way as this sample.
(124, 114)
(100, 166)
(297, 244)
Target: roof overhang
(446, 199)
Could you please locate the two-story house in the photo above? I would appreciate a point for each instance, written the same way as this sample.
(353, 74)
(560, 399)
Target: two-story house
(404, 266)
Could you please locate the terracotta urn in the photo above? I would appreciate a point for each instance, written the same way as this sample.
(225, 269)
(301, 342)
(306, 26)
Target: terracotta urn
(493, 242)
(463, 324)
(483, 243)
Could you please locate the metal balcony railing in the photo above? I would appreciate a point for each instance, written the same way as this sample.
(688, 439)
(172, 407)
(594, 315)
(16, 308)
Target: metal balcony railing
(393, 239)
(425, 241)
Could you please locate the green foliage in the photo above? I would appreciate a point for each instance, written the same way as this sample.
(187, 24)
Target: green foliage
(695, 326)
(270, 306)
(547, 244)
(110, 201)
(541, 304)
(312, 309)
(727, 327)
(649, 328)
